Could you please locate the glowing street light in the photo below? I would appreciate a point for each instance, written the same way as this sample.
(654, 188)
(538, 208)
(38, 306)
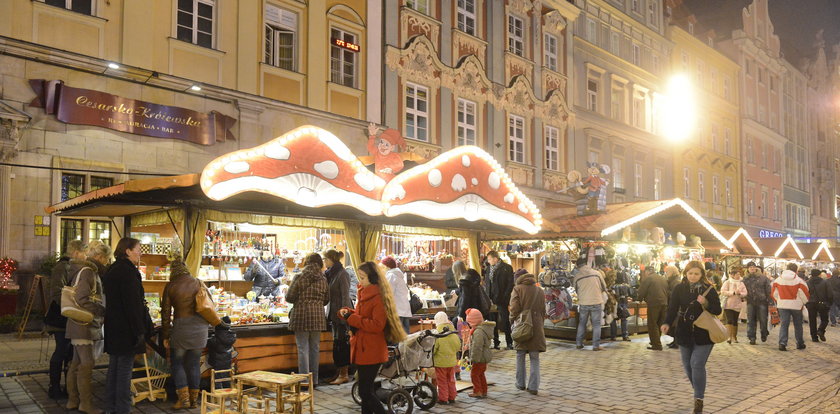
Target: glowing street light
(679, 113)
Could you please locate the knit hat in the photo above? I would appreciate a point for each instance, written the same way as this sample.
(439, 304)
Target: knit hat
(389, 262)
(519, 272)
(474, 317)
(393, 136)
(441, 318)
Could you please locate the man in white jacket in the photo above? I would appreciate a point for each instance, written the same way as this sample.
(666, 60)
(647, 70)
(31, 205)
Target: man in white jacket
(791, 294)
(402, 298)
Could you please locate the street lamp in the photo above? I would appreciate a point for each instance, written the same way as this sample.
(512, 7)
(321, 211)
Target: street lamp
(679, 117)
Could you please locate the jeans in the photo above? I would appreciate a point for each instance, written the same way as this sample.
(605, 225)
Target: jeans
(694, 359)
(367, 375)
(814, 310)
(118, 385)
(786, 315)
(534, 378)
(479, 380)
(585, 314)
(61, 357)
(614, 327)
(406, 323)
(834, 313)
(309, 352)
(757, 312)
(186, 368)
(445, 378)
(656, 318)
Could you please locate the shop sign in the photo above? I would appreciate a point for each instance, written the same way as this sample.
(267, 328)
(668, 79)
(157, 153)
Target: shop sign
(88, 107)
(346, 45)
(769, 234)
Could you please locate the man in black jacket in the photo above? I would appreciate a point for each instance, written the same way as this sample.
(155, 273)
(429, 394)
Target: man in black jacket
(499, 283)
(834, 286)
(819, 302)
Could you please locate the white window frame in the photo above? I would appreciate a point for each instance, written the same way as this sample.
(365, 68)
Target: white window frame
(657, 183)
(727, 93)
(194, 27)
(727, 141)
(516, 137)
(618, 172)
(420, 6)
(592, 95)
(715, 146)
(516, 41)
(776, 207)
(701, 186)
(68, 4)
(750, 155)
(342, 56)
(715, 189)
(764, 146)
(634, 6)
(465, 16)
(411, 94)
(686, 183)
(550, 51)
(617, 105)
(552, 148)
(652, 15)
(464, 109)
(638, 171)
(728, 190)
(639, 116)
(615, 43)
(592, 31)
(272, 56)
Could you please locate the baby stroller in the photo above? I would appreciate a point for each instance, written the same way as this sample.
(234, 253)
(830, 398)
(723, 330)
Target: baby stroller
(402, 382)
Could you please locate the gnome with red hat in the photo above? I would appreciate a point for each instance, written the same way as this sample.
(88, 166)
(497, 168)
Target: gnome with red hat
(384, 149)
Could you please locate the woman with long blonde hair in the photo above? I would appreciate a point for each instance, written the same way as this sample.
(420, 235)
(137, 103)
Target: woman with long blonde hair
(374, 323)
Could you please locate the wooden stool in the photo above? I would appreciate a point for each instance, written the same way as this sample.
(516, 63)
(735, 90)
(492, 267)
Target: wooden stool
(217, 398)
(305, 392)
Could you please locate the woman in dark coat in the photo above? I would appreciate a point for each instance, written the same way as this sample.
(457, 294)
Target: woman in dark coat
(528, 297)
(686, 304)
(309, 293)
(339, 282)
(469, 295)
(125, 323)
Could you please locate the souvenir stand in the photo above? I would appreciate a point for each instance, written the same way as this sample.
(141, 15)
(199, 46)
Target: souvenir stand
(778, 252)
(744, 250)
(818, 255)
(625, 237)
(302, 192)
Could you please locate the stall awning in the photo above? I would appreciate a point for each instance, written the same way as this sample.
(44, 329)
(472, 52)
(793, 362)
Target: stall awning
(782, 248)
(744, 244)
(673, 215)
(819, 252)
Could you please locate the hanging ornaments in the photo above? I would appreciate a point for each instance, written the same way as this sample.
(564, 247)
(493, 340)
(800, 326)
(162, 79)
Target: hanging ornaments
(7, 267)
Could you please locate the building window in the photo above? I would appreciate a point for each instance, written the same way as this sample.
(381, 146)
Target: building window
(726, 89)
(592, 31)
(715, 146)
(728, 189)
(618, 172)
(466, 16)
(638, 179)
(715, 190)
(701, 186)
(763, 154)
(776, 212)
(750, 155)
(516, 39)
(684, 61)
(72, 185)
(615, 44)
(637, 55)
(195, 21)
(98, 183)
(686, 183)
(516, 136)
(593, 156)
(100, 230)
(592, 95)
(690, 28)
(727, 141)
(657, 183)
(751, 203)
(655, 64)
(342, 61)
(78, 6)
(552, 148)
(652, 16)
(617, 102)
(71, 229)
(634, 5)
(639, 111)
(466, 122)
(764, 204)
(280, 37)
(420, 5)
(416, 112)
(550, 45)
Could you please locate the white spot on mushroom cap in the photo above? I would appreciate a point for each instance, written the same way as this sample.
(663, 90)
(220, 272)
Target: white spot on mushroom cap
(365, 180)
(459, 183)
(465, 160)
(277, 152)
(474, 181)
(328, 169)
(394, 191)
(237, 167)
(509, 198)
(435, 177)
(471, 211)
(523, 208)
(494, 180)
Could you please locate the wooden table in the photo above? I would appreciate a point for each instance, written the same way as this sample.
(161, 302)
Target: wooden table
(280, 384)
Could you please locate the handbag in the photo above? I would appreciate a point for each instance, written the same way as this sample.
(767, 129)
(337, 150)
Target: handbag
(523, 328)
(415, 303)
(707, 321)
(70, 308)
(204, 305)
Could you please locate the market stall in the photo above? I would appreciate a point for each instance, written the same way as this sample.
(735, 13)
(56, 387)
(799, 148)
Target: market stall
(626, 237)
(818, 254)
(261, 210)
(744, 250)
(778, 252)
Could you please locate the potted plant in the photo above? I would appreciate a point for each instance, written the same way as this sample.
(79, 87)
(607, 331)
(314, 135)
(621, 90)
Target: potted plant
(8, 296)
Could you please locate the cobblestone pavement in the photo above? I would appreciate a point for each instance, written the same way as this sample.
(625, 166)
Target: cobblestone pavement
(626, 378)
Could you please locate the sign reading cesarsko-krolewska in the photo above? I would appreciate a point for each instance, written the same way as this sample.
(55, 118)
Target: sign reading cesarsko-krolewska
(89, 107)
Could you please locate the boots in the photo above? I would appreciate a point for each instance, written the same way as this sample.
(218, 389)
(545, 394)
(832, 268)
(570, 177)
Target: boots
(342, 377)
(72, 388)
(729, 329)
(183, 398)
(84, 388)
(698, 406)
(735, 333)
(194, 397)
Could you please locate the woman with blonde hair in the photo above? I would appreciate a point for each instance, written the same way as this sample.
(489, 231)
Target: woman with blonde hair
(689, 299)
(375, 323)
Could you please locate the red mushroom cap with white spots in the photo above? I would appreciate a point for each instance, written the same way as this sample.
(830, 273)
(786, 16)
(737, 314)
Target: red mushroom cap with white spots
(307, 165)
(465, 182)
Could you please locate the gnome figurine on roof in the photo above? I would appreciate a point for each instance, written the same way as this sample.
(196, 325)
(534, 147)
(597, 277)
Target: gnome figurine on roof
(385, 151)
(593, 186)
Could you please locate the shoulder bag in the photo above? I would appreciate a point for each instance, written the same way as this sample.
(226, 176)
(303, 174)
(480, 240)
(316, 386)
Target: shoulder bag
(69, 307)
(707, 321)
(415, 303)
(204, 305)
(523, 328)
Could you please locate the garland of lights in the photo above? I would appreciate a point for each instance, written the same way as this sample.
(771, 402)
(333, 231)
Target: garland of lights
(7, 267)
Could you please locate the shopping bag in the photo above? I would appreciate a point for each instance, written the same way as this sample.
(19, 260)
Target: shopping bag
(522, 328)
(774, 315)
(69, 307)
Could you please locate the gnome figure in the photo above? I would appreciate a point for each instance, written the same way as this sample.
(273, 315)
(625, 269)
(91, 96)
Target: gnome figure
(384, 148)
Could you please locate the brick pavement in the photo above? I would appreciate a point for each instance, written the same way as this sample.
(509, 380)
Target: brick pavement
(625, 378)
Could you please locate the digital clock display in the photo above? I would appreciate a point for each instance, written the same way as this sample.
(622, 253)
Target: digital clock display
(346, 45)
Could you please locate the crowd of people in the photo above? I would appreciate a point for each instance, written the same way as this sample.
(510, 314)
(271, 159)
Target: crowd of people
(498, 302)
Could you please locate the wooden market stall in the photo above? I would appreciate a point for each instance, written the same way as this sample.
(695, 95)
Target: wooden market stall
(778, 252)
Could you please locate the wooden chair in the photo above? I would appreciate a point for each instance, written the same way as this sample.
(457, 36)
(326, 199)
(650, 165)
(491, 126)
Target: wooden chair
(255, 405)
(219, 397)
(307, 393)
(151, 385)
